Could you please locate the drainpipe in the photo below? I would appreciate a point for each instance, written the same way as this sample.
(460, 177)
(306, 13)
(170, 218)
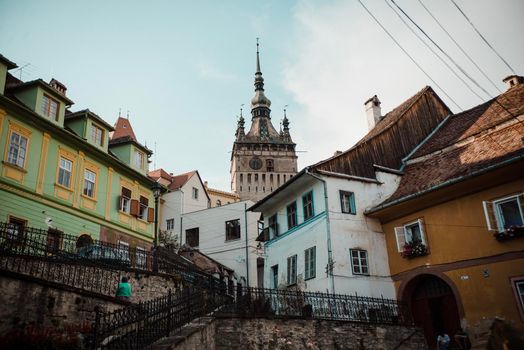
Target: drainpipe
(247, 258)
(328, 230)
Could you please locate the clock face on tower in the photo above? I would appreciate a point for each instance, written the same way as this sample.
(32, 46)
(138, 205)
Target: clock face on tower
(255, 163)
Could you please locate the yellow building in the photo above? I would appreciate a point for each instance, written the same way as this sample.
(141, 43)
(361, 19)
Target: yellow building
(219, 197)
(455, 225)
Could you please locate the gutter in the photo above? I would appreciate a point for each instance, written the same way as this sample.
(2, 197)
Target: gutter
(328, 230)
(444, 184)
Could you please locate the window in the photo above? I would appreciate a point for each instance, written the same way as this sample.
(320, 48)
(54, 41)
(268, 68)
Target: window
(270, 165)
(192, 237)
(292, 215)
(170, 224)
(307, 202)
(232, 229)
(347, 202)
(412, 234)
(15, 229)
(17, 149)
(125, 200)
(97, 135)
(504, 213)
(142, 211)
(123, 251)
(54, 240)
(310, 262)
(273, 226)
(194, 193)
(64, 172)
(292, 270)
(241, 178)
(49, 107)
(139, 159)
(248, 178)
(274, 276)
(89, 183)
(359, 261)
(519, 289)
(141, 257)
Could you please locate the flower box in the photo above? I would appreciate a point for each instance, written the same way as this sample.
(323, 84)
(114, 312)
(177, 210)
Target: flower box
(414, 249)
(509, 233)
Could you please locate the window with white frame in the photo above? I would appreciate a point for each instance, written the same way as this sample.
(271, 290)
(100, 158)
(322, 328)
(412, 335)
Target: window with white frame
(49, 107)
(64, 172)
(89, 183)
(97, 135)
(17, 149)
(292, 270)
(519, 288)
(170, 224)
(125, 200)
(139, 159)
(194, 193)
(347, 202)
(123, 251)
(142, 211)
(359, 261)
(141, 257)
(310, 263)
(411, 234)
(504, 213)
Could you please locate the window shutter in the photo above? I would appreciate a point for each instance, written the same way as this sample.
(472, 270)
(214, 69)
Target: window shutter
(491, 218)
(352, 203)
(134, 207)
(521, 202)
(401, 238)
(150, 215)
(126, 192)
(422, 232)
(119, 203)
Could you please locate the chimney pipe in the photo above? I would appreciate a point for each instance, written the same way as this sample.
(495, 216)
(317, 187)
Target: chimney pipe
(372, 107)
(513, 80)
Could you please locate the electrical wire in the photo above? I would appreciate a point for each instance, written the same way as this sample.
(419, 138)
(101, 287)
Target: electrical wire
(442, 50)
(410, 57)
(482, 37)
(460, 47)
(434, 52)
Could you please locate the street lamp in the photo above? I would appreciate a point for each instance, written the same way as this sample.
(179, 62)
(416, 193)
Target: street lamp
(157, 191)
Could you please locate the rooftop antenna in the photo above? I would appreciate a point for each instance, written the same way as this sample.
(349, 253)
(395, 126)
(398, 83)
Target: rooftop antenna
(22, 68)
(154, 163)
(128, 114)
(119, 112)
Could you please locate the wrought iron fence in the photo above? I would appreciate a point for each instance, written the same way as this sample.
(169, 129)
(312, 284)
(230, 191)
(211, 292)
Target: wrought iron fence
(257, 302)
(92, 265)
(139, 325)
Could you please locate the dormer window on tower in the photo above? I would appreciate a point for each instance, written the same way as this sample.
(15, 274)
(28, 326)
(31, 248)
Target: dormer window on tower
(50, 107)
(139, 159)
(97, 135)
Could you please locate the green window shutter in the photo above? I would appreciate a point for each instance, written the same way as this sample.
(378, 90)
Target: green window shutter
(352, 202)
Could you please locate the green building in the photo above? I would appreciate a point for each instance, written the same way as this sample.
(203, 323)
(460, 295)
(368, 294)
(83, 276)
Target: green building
(70, 172)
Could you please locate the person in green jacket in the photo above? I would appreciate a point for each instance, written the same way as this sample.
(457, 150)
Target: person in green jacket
(124, 289)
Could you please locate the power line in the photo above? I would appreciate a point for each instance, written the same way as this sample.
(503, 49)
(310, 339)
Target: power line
(460, 47)
(483, 38)
(407, 54)
(442, 50)
(433, 51)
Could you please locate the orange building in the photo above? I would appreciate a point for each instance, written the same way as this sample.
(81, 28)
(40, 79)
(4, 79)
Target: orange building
(455, 225)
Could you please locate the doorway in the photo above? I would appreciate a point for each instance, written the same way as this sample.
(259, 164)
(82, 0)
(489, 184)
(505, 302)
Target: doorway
(434, 307)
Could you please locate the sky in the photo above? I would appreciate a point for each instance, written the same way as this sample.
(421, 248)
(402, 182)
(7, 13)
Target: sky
(183, 69)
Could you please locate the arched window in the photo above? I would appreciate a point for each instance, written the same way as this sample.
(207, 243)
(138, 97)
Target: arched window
(84, 241)
(270, 165)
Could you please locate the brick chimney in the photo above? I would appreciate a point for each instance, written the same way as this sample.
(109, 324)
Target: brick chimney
(373, 112)
(513, 80)
(58, 86)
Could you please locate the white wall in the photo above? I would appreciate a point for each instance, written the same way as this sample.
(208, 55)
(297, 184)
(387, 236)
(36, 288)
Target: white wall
(212, 236)
(347, 232)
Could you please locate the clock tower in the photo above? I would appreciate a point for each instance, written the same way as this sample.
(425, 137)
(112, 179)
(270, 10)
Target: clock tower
(263, 158)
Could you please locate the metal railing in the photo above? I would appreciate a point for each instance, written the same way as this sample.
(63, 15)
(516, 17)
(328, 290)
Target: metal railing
(94, 265)
(139, 325)
(262, 302)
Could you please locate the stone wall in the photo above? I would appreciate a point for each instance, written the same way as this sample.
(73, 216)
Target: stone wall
(148, 286)
(247, 334)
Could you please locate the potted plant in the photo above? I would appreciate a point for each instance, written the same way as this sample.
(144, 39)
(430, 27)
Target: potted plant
(414, 249)
(511, 232)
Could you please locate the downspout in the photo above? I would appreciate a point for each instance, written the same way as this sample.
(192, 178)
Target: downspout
(247, 258)
(328, 231)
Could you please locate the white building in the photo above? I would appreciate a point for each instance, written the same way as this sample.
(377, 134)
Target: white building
(223, 233)
(317, 237)
(186, 193)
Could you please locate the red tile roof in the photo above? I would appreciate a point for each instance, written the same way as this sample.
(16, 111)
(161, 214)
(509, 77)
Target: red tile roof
(476, 139)
(159, 173)
(123, 129)
(180, 180)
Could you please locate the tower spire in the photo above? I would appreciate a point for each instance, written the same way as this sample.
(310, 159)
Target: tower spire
(258, 59)
(259, 81)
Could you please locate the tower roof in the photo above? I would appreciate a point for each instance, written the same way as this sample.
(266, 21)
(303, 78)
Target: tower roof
(259, 100)
(123, 129)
